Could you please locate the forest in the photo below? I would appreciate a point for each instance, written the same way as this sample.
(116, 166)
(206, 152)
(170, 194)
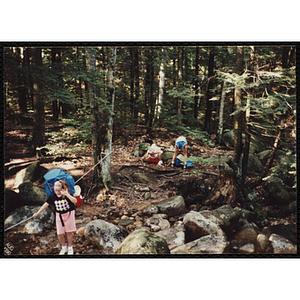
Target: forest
(94, 111)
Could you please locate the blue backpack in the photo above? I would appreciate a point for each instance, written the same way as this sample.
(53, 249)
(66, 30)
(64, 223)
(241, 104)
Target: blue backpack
(58, 174)
(178, 163)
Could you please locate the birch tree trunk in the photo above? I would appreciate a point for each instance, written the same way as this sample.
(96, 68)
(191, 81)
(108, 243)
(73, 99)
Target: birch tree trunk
(221, 114)
(94, 116)
(161, 84)
(106, 163)
(208, 112)
(180, 81)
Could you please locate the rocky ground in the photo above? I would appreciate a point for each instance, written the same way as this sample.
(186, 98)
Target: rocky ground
(121, 206)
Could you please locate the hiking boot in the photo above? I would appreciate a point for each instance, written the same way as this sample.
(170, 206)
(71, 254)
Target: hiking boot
(70, 250)
(160, 163)
(184, 166)
(172, 164)
(63, 250)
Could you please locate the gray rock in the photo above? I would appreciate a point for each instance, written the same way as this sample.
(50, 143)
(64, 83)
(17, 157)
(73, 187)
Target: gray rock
(288, 231)
(173, 206)
(254, 165)
(143, 241)
(164, 224)
(255, 145)
(262, 243)
(225, 216)
(167, 156)
(105, 234)
(292, 207)
(33, 195)
(150, 209)
(247, 234)
(125, 222)
(277, 193)
(140, 177)
(34, 172)
(33, 226)
(264, 155)
(209, 244)
(247, 249)
(174, 236)
(281, 245)
(197, 226)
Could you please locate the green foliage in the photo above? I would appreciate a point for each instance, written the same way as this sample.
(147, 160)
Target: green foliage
(143, 147)
(207, 161)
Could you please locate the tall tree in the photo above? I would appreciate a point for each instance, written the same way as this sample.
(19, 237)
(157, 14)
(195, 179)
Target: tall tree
(238, 116)
(149, 99)
(57, 68)
(247, 118)
(180, 83)
(106, 163)
(221, 114)
(196, 98)
(161, 83)
(94, 114)
(208, 112)
(38, 136)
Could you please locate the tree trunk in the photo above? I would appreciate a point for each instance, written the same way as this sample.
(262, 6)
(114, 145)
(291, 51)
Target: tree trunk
(221, 114)
(180, 84)
(38, 136)
(196, 99)
(56, 66)
(134, 84)
(208, 112)
(106, 163)
(150, 80)
(161, 83)
(238, 117)
(94, 116)
(22, 91)
(247, 122)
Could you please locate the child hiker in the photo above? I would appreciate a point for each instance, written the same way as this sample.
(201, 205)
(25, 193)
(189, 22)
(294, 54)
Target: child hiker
(65, 214)
(153, 155)
(180, 143)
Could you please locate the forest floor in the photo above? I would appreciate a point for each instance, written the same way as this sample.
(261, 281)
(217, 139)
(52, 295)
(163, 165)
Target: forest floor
(126, 196)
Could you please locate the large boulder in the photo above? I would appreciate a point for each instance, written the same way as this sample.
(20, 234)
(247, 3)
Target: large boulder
(173, 206)
(277, 193)
(254, 165)
(225, 216)
(143, 241)
(255, 145)
(107, 235)
(209, 244)
(33, 226)
(34, 172)
(281, 245)
(32, 194)
(197, 226)
(264, 155)
(13, 201)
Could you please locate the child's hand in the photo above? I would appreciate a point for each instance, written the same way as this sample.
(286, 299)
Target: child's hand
(64, 192)
(35, 214)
